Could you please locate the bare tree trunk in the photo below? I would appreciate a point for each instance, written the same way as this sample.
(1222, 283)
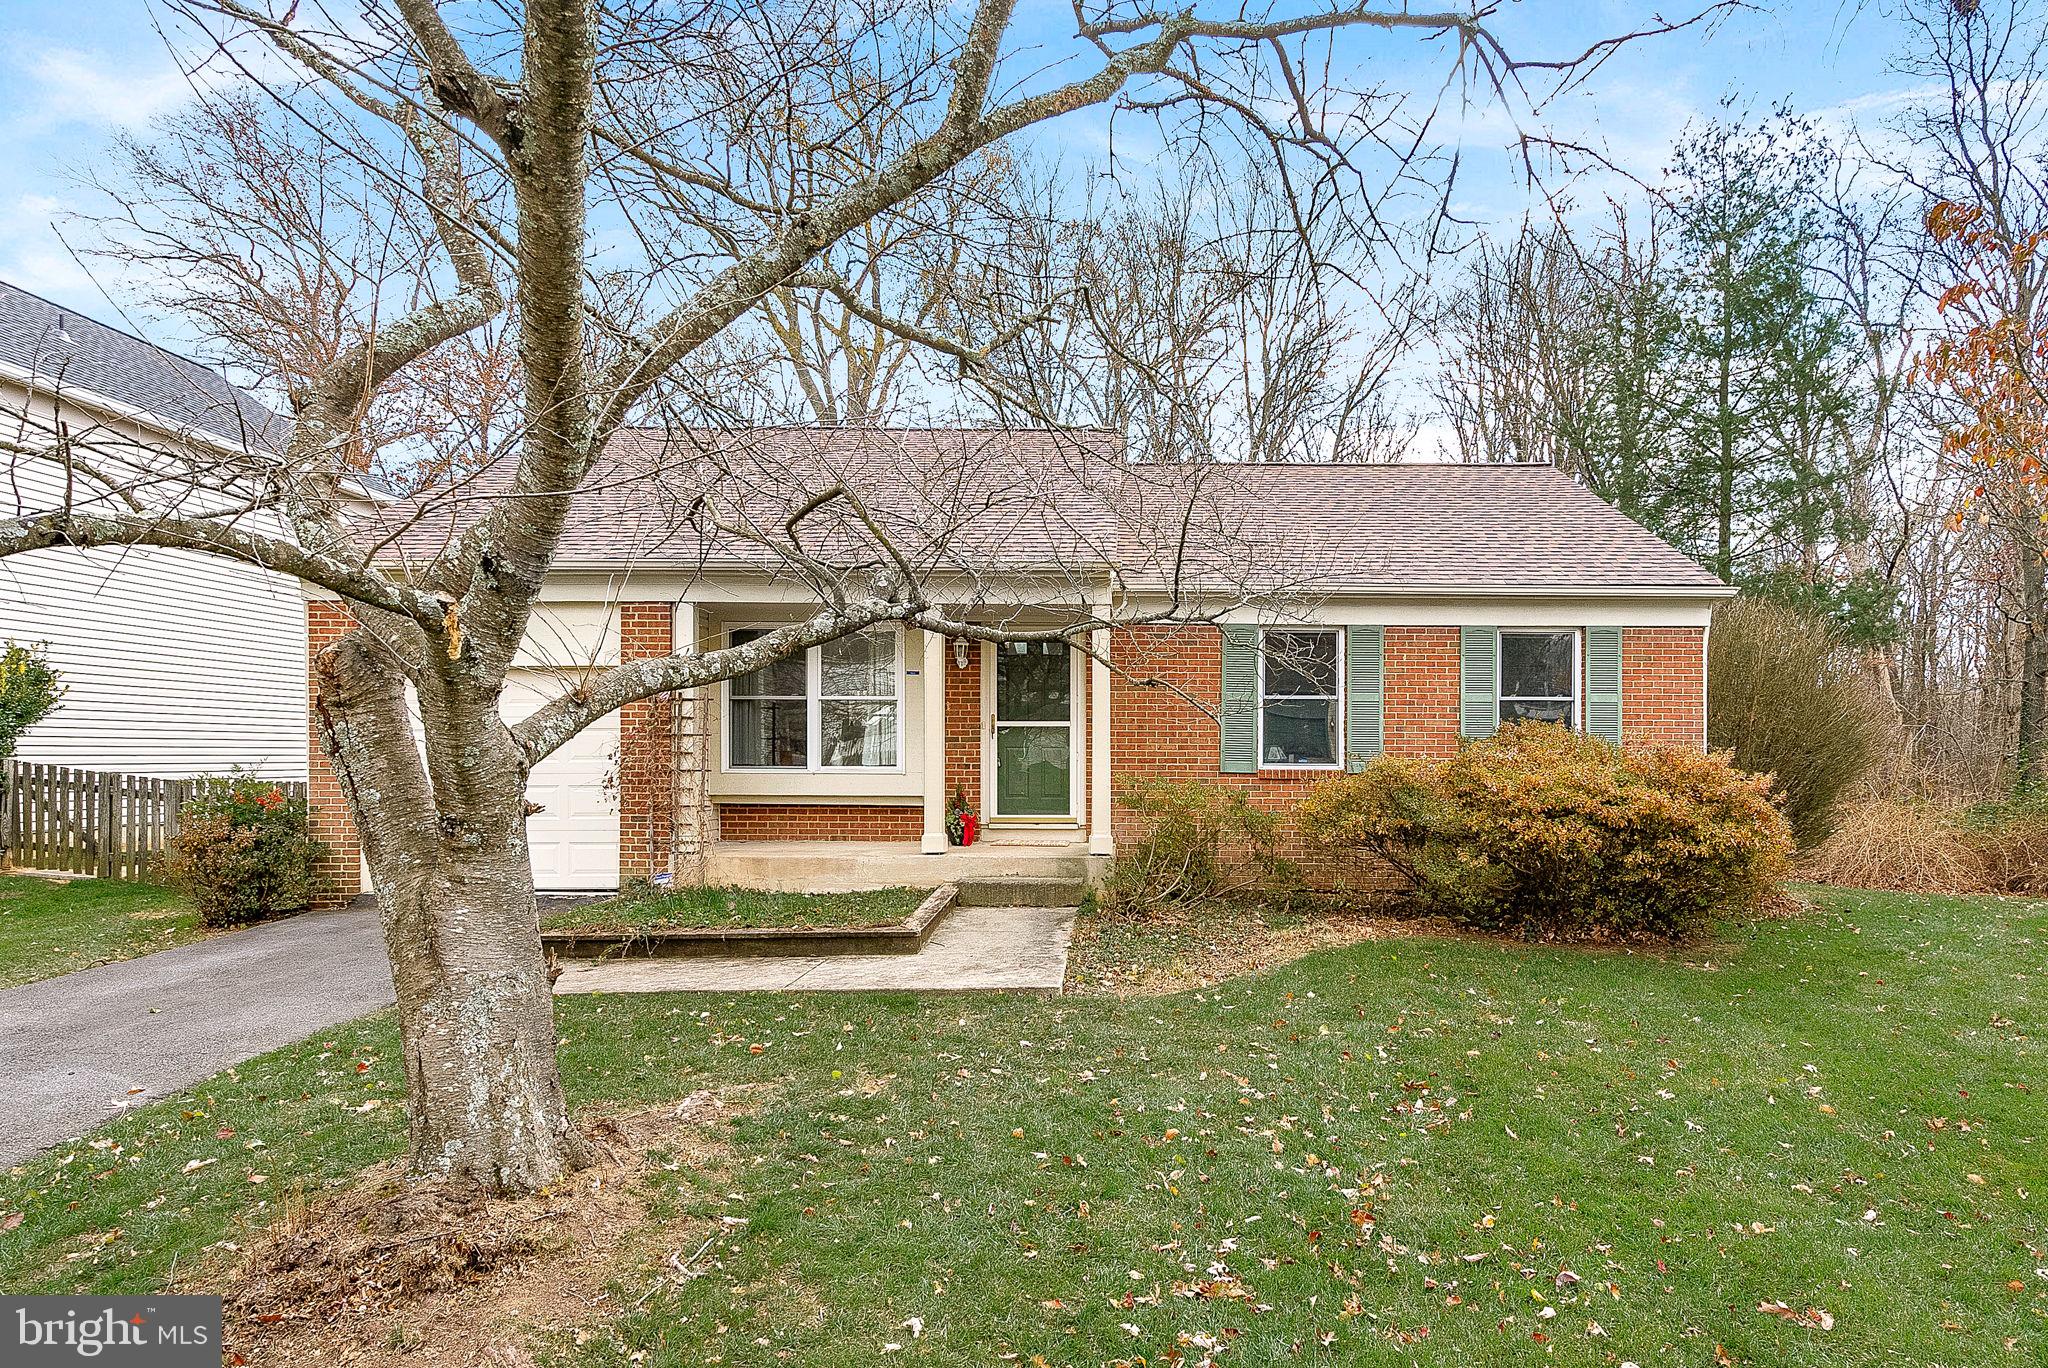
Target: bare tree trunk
(455, 892)
(2031, 757)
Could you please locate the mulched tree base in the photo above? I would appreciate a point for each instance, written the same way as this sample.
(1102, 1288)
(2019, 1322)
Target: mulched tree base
(371, 1274)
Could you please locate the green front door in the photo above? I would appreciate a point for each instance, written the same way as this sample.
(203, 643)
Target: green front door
(1034, 723)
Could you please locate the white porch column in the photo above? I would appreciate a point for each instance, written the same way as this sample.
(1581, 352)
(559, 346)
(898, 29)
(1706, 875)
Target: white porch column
(1101, 839)
(933, 695)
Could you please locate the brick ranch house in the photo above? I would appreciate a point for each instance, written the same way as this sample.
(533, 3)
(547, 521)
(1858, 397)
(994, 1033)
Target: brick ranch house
(1353, 609)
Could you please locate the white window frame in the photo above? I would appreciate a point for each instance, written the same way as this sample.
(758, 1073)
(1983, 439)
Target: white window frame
(1260, 737)
(1501, 697)
(813, 711)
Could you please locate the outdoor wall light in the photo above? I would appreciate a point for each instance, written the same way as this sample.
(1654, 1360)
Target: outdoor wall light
(959, 653)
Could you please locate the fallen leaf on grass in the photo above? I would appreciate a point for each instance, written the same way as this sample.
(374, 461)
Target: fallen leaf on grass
(1813, 1317)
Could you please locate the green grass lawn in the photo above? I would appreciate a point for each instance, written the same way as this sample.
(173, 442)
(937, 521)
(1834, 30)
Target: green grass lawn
(1416, 1150)
(48, 927)
(726, 908)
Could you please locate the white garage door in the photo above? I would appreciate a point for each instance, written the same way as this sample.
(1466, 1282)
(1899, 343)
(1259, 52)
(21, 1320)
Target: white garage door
(575, 836)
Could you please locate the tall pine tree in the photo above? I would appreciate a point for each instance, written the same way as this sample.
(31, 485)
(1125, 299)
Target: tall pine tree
(1760, 469)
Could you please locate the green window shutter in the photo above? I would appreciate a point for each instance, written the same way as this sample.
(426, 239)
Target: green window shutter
(1240, 700)
(1364, 695)
(1478, 681)
(1603, 682)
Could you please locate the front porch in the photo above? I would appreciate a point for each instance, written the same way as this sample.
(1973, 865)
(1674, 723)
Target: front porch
(837, 770)
(849, 866)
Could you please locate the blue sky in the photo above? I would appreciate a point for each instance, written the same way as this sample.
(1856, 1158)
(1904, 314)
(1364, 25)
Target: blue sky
(72, 75)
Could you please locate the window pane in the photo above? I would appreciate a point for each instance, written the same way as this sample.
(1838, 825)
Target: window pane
(1536, 665)
(1032, 681)
(1301, 663)
(1536, 710)
(768, 733)
(857, 735)
(859, 666)
(781, 679)
(1301, 731)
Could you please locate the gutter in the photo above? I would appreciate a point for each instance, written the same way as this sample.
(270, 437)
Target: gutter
(1716, 590)
(38, 383)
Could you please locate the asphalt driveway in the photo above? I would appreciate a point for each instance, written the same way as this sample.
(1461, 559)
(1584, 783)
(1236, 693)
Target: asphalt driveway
(77, 1049)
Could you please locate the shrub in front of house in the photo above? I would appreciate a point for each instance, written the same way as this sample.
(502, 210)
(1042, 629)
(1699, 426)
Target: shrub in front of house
(1554, 834)
(242, 852)
(1201, 840)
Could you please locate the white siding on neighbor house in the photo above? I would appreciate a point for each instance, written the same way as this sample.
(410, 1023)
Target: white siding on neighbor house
(174, 663)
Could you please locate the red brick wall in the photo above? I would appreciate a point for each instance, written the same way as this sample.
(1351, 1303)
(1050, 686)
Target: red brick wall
(1165, 677)
(1159, 730)
(646, 749)
(963, 727)
(341, 871)
(1663, 687)
(819, 822)
(1421, 710)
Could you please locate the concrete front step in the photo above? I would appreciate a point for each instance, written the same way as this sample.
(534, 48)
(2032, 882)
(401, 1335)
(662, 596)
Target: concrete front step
(1024, 890)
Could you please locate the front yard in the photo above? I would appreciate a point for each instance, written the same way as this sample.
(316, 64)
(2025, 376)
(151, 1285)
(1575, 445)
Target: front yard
(1817, 1141)
(50, 927)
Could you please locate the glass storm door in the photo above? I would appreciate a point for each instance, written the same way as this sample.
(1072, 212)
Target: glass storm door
(1033, 723)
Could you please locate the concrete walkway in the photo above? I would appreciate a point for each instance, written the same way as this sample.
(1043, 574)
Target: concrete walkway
(1017, 948)
(73, 1047)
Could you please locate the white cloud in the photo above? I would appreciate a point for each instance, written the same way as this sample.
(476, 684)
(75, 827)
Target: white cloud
(75, 86)
(32, 255)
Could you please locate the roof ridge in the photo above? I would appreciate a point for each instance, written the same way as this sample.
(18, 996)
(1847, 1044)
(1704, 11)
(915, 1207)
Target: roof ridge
(876, 427)
(1372, 465)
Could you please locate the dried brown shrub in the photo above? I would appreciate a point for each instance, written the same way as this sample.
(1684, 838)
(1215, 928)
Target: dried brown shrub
(2014, 854)
(1907, 847)
(1552, 833)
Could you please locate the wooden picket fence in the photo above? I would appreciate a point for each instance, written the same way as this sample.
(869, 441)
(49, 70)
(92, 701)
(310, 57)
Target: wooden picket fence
(91, 821)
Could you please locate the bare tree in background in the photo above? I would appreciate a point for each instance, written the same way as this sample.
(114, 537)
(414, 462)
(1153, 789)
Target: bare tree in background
(580, 180)
(276, 240)
(1558, 347)
(1216, 318)
(1985, 146)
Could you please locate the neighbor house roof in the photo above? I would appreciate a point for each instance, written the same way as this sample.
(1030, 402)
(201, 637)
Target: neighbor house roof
(111, 364)
(1061, 501)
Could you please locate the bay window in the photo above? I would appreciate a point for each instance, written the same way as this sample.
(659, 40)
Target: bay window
(836, 706)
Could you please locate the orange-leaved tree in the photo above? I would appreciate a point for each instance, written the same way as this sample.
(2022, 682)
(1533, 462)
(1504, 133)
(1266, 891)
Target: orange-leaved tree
(1988, 368)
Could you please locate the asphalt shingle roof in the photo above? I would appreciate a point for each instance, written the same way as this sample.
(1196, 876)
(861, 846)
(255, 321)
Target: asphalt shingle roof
(1462, 526)
(124, 368)
(967, 501)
